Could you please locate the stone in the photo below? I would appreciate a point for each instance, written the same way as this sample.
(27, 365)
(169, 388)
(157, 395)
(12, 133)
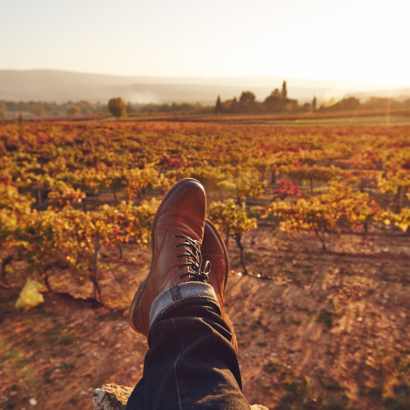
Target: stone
(111, 397)
(114, 397)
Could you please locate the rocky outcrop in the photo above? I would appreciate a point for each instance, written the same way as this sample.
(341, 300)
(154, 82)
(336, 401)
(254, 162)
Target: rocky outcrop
(111, 397)
(114, 397)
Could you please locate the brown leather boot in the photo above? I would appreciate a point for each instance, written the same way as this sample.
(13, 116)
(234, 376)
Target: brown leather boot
(176, 237)
(214, 250)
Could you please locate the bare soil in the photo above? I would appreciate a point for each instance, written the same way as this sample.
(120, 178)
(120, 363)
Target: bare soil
(317, 329)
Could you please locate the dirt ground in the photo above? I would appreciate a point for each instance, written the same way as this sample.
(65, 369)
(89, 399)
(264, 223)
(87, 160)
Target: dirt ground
(326, 329)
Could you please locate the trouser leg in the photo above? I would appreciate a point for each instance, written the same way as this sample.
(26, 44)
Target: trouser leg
(191, 363)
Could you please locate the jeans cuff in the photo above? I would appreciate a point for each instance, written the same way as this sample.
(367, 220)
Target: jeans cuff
(180, 292)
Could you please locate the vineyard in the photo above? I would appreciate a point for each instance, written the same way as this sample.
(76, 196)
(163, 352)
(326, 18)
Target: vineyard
(77, 201)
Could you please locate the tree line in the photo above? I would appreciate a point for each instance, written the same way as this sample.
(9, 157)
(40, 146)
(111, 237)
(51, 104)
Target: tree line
(279, 102)
(116, 107)
(51, 109)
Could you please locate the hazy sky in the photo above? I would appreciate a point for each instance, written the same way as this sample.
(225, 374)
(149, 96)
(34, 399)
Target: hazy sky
(365, 40)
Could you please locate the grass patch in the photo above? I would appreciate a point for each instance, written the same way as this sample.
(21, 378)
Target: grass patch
(294, 320)
(329, 383)
(396, 403)
(405, 364)
(68, 366)
(110, 316)
(306, 310)
(251, 257)
(301, 395)
(47, 373)
(255, 324)
(325, 317)
(20, 362)
(333, 404)
(298, 265)
(7, 351)
(67, 340)
(270, 367)
(53, 333)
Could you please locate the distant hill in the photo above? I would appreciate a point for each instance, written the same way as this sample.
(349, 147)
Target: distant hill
(400, 93)
(62, 86)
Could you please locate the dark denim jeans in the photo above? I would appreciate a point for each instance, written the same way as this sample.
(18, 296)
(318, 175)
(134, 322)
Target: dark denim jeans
(191, 363)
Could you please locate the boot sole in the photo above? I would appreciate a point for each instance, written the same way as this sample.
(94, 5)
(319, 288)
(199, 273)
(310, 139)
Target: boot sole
(141, 288)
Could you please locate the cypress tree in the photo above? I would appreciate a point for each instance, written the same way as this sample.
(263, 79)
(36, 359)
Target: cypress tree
(314, 103)
(218, 105)
(284, 91)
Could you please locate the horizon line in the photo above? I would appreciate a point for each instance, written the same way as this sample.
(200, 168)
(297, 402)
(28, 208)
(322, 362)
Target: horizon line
(283, 77)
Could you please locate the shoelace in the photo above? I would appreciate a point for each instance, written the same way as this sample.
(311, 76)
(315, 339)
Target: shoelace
(195, 260)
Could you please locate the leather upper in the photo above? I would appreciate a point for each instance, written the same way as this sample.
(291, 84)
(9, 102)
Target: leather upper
(180, 213)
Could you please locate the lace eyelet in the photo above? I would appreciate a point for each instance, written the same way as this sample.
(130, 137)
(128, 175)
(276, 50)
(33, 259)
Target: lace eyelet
(180, 277)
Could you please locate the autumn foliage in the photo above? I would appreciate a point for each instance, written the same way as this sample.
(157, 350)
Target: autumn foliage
(68, 190)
